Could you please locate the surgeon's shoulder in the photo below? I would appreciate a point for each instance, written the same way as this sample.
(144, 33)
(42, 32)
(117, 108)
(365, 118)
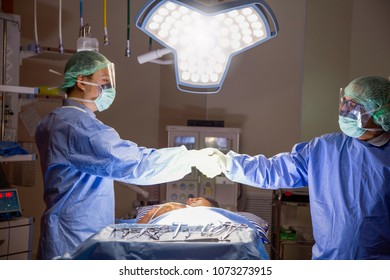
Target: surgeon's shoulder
(327, 139)
(80, 119)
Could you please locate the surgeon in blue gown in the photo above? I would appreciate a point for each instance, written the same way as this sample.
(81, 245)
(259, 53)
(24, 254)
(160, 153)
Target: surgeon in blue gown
(81, 157)
(348, 175)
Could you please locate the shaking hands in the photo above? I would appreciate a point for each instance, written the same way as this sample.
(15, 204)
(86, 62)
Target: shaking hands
(211, 162)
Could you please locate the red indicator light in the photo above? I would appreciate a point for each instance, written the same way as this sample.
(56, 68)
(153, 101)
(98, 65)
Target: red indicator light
(8, 194)
(1, 195)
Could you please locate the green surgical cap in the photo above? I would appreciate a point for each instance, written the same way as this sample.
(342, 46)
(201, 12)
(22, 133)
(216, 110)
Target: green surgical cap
(82, 63)
(372, 92)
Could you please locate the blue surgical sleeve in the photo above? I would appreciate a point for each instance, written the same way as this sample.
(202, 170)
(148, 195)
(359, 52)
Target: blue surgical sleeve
(284, 170)
(103, 153)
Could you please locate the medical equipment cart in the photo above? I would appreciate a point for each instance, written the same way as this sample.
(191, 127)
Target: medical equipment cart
(292, 234)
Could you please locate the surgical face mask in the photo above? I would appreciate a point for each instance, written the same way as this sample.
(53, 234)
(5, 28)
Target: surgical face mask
(350, 127)
(104, 100)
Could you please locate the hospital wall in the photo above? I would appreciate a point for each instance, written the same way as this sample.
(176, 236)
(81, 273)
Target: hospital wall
(278, 93)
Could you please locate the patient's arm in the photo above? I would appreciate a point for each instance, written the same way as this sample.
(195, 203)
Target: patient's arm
(159, 210)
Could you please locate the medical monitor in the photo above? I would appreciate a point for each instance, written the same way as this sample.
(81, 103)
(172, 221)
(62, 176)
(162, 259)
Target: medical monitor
(9, 203)
(188, 141)
(220, 143)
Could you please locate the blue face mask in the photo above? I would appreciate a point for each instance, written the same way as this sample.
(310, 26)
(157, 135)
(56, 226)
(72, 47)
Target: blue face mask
(104, 100)
(350, 127)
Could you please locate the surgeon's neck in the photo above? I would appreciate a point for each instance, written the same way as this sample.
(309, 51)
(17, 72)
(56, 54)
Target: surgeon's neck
(80, 95)
(370, 135)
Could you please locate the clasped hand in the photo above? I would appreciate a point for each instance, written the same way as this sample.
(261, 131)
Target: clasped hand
(211, 162)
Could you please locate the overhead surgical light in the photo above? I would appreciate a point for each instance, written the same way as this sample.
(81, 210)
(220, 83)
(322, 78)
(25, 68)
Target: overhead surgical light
(203, 38)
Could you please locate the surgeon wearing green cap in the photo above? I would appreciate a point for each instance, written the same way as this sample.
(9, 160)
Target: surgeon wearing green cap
(347, 174)
(81, 157)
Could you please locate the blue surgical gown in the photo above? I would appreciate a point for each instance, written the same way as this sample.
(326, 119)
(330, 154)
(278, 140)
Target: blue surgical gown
(80, 158)
(349, 191)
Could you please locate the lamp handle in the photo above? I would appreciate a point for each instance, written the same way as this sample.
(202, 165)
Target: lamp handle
(197, 90)
(143, 12)
(265, 7)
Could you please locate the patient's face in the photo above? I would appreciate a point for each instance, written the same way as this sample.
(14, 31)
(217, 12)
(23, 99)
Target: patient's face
(198, 201)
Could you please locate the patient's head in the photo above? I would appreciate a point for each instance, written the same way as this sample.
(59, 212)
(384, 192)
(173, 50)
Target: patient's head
(202, 201)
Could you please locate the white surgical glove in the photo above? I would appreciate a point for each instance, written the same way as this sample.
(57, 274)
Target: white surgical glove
(205, 161)
(224, 161)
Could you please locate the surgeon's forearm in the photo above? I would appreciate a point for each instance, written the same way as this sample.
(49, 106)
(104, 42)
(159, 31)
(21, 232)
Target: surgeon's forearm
(160, 166)
(280, 171)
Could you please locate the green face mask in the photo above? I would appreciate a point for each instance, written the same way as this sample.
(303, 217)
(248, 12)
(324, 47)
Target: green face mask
(105, 98)
(350, 127)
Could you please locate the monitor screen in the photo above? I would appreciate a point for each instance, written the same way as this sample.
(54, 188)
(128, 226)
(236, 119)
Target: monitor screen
(188, 141)
(220, 143)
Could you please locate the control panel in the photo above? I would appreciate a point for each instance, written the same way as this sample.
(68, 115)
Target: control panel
(9, 203)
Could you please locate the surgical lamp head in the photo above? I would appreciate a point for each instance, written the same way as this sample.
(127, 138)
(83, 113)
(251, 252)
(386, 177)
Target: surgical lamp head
(373, 93)
(204, 38)
(85, 63)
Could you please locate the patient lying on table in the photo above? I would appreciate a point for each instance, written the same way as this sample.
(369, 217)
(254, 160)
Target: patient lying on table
(150, 214)
(180, 231)
(160, 209)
